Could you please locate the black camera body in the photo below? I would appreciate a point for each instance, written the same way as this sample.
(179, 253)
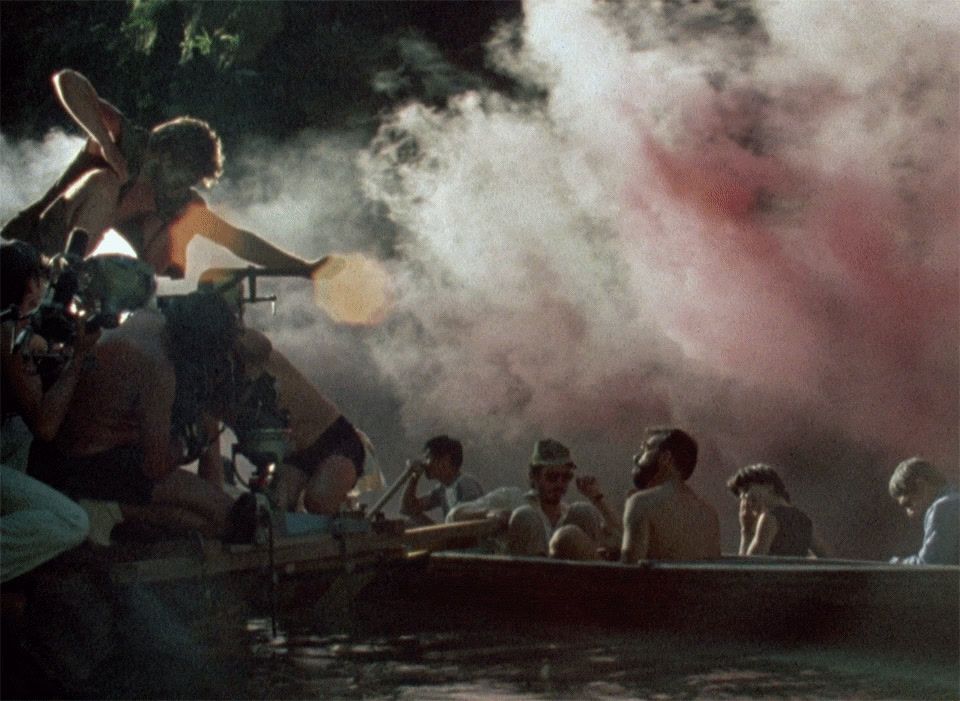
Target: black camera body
(97, 289)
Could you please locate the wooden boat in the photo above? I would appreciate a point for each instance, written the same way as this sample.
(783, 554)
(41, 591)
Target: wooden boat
(909, 610)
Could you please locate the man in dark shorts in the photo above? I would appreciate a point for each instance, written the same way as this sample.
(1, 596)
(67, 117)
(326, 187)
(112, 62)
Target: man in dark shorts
(327, 454)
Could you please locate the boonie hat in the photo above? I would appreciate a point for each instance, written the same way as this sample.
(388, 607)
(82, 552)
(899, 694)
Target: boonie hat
(550, 452)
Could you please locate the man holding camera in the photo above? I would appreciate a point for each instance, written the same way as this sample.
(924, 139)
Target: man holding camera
(38, 523)
(134, 417)
(441, 461)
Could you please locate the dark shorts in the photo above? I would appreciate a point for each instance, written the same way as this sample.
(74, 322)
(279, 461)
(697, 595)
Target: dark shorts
(113, 475)
(339, 439)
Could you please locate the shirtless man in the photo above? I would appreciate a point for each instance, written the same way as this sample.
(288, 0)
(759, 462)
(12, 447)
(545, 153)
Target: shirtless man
(327, 454)
(135, 411)
(666, 520)
(140, 184)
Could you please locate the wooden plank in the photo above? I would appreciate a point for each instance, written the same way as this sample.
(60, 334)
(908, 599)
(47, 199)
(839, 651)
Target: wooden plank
(301, 553)
(450, 535)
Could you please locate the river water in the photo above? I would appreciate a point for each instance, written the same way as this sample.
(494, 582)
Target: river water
(524, 662)
(340, 646)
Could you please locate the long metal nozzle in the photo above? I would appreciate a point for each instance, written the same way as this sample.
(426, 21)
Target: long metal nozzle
(391, 490)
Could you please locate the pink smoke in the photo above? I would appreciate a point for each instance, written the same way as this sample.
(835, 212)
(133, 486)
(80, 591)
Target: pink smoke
(839, 289)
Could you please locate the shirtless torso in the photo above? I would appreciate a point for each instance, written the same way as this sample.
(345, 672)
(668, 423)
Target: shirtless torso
(670, 522)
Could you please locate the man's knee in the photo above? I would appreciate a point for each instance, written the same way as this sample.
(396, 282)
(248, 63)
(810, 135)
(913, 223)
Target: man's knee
(327, 489)
(526, 534)
(571, 543)
(585, 517)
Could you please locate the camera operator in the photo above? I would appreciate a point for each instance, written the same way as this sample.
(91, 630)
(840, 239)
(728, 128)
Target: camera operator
(37, 523)
(124, 436)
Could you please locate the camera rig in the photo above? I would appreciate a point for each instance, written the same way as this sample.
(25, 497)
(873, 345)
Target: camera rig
(97, 290)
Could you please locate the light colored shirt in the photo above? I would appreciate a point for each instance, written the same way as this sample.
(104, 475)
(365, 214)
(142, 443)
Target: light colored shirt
(941, 532)
(511, 499)
(465, 488)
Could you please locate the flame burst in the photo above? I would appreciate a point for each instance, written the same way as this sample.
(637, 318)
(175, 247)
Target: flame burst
(353, 289)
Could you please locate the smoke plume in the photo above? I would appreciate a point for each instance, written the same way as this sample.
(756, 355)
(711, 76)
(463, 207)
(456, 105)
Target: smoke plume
(740, 218)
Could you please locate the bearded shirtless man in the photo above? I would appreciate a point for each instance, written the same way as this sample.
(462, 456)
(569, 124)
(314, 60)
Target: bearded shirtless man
(666, 520)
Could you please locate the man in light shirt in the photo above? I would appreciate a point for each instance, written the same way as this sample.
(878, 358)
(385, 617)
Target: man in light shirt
(539, 521)
(919, 487)
(441, 461)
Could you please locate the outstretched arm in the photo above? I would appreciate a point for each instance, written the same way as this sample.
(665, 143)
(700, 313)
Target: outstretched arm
(98, 118)
(200, 220)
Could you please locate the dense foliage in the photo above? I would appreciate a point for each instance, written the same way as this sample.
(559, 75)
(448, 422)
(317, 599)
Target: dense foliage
(248, 67)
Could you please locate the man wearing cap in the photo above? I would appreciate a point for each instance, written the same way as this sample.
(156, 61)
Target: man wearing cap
(665, 519)
(539, 521)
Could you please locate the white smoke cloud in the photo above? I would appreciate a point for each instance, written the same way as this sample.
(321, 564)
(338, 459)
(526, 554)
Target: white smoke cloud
(738, 219)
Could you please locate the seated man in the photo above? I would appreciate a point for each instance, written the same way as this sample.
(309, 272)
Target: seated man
(141, 184)
(666, 520)
(769, 523)
(919, 487)
(37, 523)
(539, 521)
(327, 455)
(441, 461)
(135, 413)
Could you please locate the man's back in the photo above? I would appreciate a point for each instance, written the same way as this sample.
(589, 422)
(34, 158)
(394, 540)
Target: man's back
(682, 526)
(129, 370)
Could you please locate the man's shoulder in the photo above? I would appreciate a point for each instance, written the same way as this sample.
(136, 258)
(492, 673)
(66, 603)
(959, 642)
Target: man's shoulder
(654, 496)
(947, 504)
(469, 485)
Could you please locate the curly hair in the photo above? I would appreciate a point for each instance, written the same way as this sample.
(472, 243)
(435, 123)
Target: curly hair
(192, 142)
(202, 329)
(758, 473)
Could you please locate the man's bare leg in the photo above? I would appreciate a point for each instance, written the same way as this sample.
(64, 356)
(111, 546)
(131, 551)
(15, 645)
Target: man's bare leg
(571, 543)
(290, 482)
(184, 490)
(328, 486)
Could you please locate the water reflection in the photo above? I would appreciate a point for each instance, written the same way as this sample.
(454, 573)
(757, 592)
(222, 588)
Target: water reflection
(523, 662)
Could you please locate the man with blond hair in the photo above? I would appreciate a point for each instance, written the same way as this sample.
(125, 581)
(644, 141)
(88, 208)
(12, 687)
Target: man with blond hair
(919, 487)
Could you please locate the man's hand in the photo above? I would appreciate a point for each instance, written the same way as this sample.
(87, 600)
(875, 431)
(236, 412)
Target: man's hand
(501, 516)
(326, 267)
(416, 468)
(748, 518)
(588, 487)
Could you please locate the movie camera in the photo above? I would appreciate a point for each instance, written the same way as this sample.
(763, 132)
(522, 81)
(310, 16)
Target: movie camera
(97, 290)
(260, 425)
